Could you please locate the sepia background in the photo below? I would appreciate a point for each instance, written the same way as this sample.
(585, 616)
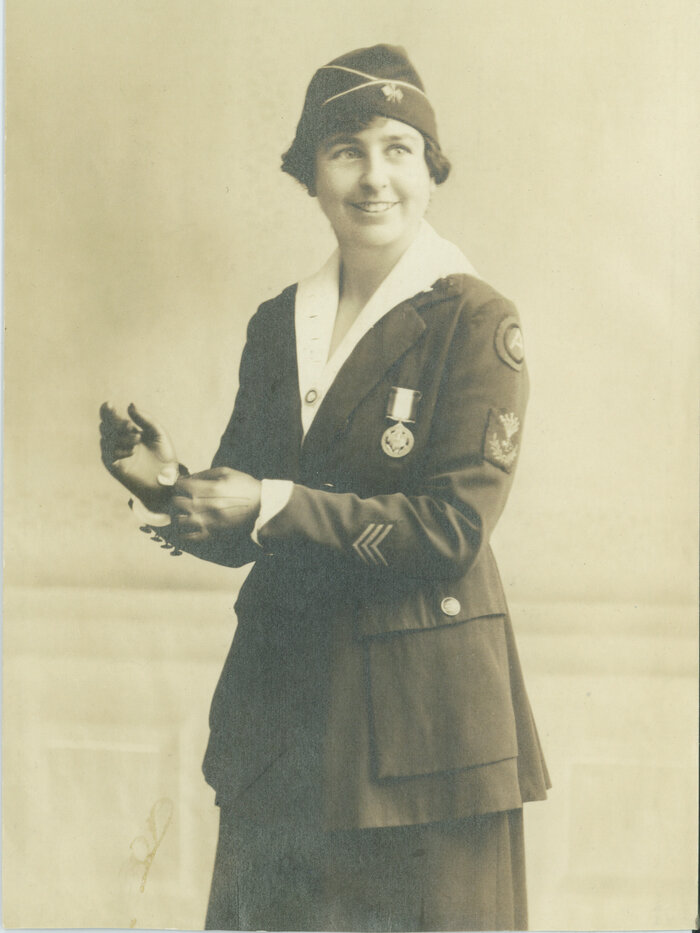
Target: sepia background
(146, 218)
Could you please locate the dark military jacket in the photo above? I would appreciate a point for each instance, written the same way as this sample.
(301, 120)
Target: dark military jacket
(374, 656)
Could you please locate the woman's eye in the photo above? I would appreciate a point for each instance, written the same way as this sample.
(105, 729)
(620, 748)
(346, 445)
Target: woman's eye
(347, 152)
(401, 150)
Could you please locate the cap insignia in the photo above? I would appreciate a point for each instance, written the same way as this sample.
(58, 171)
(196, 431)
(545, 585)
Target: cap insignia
(392, 93)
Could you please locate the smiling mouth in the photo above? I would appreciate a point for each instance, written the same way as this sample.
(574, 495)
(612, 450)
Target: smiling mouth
(374, 207)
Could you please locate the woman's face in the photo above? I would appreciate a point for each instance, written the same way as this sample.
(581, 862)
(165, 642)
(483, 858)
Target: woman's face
(374, 185)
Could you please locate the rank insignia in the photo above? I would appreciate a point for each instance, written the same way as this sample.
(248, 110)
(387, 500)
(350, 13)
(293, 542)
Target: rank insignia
(509, 342)
(367, 545)
(502, 439)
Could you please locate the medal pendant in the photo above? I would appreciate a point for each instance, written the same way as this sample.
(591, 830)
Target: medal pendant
(397, 440)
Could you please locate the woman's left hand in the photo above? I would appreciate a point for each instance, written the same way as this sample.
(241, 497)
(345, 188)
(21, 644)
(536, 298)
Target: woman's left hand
(214, 503)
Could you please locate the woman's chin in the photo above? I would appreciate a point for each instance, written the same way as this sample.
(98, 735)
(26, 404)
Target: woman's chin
(377, 236)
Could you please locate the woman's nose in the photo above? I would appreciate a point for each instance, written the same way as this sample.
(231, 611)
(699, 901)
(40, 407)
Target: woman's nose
(375, 174)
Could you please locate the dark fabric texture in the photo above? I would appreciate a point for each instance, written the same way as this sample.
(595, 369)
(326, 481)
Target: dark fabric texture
(371, 739)
(420, 713)
(455, 875)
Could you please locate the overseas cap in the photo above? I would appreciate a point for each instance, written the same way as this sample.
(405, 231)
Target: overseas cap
(377, 80)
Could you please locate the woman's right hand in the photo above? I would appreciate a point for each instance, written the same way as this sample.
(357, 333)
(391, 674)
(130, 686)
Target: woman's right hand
(139, 453)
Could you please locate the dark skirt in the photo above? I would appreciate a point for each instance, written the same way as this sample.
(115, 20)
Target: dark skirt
(466, 874)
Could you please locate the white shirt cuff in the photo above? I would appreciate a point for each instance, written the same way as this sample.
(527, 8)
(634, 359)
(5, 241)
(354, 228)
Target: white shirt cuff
(274, 495)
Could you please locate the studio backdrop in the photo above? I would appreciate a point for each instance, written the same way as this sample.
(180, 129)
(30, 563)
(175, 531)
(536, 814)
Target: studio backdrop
(146, 218)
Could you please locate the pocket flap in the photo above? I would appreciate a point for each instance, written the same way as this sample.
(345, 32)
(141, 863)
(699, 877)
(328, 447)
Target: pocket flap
(434, 605)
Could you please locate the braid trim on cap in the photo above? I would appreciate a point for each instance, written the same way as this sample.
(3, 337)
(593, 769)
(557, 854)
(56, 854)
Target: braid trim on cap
(372, 79)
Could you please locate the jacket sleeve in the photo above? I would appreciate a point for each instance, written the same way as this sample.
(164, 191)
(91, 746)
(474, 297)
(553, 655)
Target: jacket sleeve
(241, 445)
(437, 528)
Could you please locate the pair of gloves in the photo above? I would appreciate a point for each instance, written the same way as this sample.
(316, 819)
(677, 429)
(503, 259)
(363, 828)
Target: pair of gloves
(203, 508)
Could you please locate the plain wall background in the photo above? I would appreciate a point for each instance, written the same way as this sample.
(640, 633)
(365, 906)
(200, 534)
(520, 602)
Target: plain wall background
(146, 218)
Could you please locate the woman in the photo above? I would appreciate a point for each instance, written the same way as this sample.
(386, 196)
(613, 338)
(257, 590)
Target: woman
(371, 739)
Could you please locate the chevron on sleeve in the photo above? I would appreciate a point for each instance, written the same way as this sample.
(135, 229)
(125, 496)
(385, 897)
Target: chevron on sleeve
(367, 545)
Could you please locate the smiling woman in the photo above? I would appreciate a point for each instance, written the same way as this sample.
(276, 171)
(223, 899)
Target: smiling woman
(371, 741)
(374, 187)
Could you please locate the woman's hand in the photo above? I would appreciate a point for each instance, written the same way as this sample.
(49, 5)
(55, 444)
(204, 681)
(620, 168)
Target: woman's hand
(214, 504)
(139, 453)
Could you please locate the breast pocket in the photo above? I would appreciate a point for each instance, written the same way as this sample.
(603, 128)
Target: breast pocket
(440, 699)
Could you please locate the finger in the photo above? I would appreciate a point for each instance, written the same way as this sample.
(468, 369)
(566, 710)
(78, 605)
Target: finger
(182, 487)
(113, 423)
(194, 488)
(180, 505)
(110, 420)
(193, 537)
(107, 452)
(168, 475)
(144, 421)
(213, 473)
(186, 528)
(114, 442)
(109, 415)
(122, 450)
(189, 528)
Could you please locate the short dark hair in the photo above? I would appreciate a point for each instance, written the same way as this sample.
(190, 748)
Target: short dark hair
(299, 160)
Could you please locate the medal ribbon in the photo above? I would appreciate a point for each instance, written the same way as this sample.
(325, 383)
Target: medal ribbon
(402, 404)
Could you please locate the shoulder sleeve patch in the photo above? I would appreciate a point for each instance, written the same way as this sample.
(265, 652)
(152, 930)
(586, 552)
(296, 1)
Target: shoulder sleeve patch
(509, 342)
(502, 439)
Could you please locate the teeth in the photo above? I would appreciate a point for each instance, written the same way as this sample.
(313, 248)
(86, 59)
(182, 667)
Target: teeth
(375, 207)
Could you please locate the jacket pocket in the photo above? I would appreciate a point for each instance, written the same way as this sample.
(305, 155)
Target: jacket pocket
(404, 608)
(440, 699)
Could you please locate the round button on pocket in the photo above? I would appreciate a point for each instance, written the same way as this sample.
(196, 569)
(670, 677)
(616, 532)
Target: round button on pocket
(450, 606)
(311, 396)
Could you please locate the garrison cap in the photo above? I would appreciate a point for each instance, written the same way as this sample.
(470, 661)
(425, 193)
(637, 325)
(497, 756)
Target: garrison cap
(379, 80)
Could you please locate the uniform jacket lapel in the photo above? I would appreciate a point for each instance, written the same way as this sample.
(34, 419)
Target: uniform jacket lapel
(375, 353)
(427, 259)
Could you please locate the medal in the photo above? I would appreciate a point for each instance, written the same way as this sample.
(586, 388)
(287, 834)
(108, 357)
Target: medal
(398, 439)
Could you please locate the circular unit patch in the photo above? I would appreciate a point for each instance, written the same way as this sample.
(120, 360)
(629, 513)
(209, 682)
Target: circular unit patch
(509, 342)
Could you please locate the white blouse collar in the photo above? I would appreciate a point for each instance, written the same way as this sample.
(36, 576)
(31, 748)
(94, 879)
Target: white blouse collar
(426, 260)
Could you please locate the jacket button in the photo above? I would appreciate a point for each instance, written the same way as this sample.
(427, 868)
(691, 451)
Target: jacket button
(450, 606)
(311, 396)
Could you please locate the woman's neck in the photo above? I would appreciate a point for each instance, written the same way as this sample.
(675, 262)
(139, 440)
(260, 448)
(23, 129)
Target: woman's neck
(361, 274)
(362, 271)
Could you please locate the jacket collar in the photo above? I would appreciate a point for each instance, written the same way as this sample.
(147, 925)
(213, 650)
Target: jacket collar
(377, 352)
(428, 258)
(385, 329)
